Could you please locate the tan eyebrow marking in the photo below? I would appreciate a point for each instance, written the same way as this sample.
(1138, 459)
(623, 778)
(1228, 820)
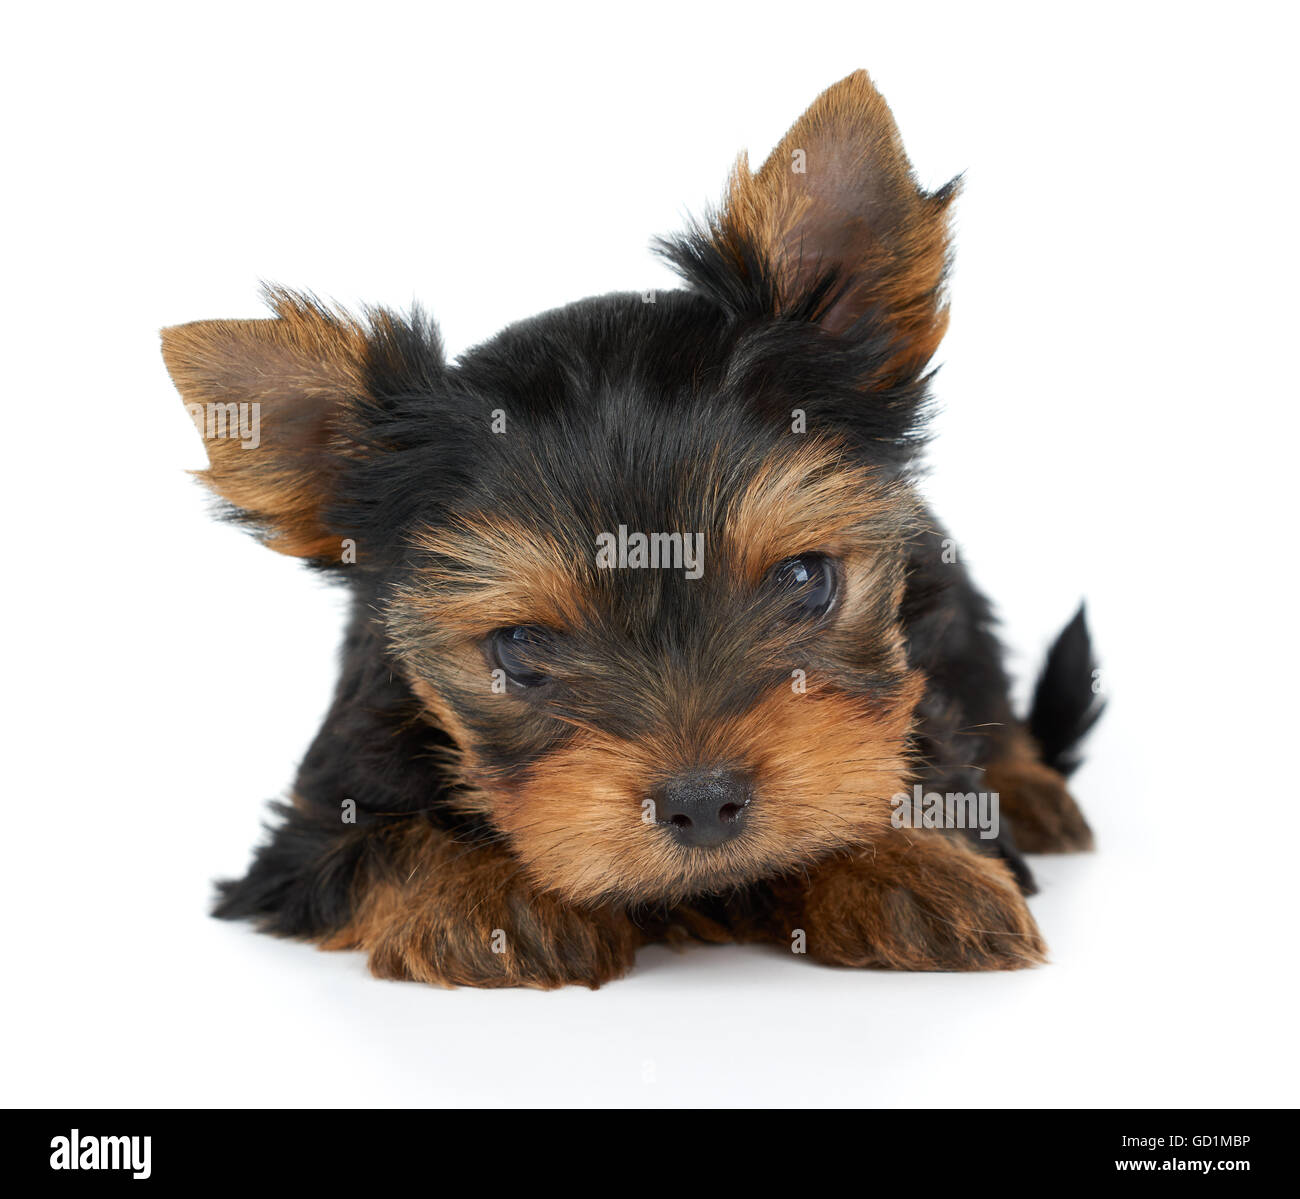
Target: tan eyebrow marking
(494, 571)
(813, 499)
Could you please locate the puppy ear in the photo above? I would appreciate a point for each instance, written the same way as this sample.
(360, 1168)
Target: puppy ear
(833, 228)
(278, 404)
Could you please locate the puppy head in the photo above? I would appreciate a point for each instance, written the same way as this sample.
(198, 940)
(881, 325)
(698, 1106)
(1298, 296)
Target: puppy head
(641, 558)
(667, 670)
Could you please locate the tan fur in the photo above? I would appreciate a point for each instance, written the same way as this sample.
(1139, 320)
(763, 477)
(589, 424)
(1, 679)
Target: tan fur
(304, 368)
(857, 207)
(1035, 800)
(813, 500)
(918, 900)
(462, 916)
(501, 574)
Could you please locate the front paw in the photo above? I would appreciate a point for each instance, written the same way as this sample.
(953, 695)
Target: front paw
(482, 926)
(920, 902)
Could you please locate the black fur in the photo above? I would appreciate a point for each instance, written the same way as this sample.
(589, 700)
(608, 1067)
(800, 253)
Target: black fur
(1066, 704)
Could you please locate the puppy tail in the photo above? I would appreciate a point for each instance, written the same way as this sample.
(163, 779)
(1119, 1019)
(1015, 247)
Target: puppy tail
(1065, 706)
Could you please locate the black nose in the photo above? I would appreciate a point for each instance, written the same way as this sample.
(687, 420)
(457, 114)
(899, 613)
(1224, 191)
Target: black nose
(704, 807)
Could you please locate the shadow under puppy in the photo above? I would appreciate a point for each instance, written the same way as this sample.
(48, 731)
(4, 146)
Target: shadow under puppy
(650, 627)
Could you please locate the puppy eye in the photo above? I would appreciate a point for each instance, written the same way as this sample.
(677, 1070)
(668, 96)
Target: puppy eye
(516, 649)
(811, 582)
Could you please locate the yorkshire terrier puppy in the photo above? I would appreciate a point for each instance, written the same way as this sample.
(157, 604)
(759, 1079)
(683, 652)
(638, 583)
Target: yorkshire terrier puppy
(651, 637)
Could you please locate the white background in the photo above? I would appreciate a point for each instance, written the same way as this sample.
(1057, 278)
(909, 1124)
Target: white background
(1118, 422)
